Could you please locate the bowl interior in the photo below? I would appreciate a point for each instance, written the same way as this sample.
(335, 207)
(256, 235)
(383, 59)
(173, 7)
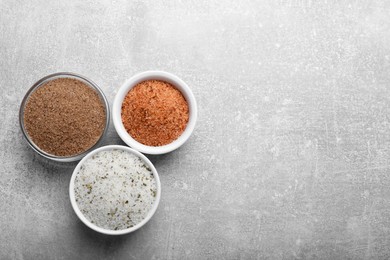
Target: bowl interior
(40, 83)
(178, 84)
(108, 231)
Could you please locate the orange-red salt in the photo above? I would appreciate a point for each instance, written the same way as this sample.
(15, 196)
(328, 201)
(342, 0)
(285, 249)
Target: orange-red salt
(155, 113)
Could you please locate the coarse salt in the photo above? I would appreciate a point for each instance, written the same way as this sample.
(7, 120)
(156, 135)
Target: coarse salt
(115, 189)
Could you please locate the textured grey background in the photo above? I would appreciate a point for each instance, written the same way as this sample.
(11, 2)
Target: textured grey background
(290, 156)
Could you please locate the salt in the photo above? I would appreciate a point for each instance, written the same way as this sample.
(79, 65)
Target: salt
(115, 189)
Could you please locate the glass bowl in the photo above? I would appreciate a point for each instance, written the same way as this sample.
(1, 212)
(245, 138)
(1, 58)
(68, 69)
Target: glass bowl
(40, 83)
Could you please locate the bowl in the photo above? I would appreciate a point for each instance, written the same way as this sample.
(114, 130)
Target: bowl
(93, 226)
(154, 75)
(40, 83)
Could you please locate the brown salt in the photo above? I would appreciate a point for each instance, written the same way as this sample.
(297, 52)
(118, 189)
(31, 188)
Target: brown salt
(64, 117)
(155, 113)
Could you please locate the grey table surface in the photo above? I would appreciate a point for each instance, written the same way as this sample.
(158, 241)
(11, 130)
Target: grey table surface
(290, 156)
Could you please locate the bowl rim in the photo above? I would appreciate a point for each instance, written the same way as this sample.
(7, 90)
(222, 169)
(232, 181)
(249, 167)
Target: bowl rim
(81, 216)
(41, 82)
(157, 75)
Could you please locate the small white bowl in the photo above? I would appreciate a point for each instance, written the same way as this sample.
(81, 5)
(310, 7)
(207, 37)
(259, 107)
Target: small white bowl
(109, 231)
(154, 75)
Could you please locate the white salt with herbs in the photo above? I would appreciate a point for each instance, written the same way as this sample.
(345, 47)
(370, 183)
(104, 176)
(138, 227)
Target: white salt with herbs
(115, 189)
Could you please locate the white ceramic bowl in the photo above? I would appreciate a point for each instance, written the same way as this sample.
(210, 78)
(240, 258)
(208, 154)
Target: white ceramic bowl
(108, 231)
(156, 75)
